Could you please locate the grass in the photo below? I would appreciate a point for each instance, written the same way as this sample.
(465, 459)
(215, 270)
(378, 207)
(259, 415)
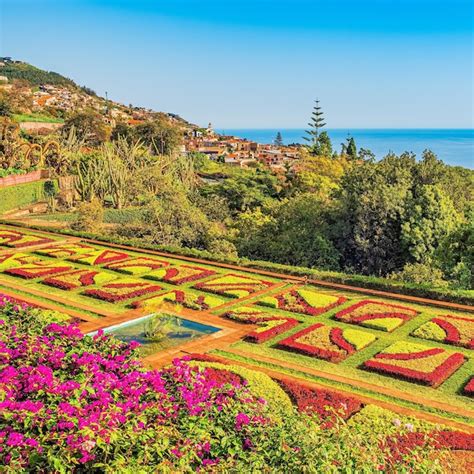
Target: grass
(36, 118)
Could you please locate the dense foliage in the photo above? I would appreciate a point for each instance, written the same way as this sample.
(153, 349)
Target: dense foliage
(33, 75)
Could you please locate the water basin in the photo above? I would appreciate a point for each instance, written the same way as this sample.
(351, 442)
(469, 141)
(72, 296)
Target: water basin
(134, 330)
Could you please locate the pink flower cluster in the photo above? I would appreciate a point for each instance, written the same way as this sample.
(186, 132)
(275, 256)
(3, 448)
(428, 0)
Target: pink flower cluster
(69, 396)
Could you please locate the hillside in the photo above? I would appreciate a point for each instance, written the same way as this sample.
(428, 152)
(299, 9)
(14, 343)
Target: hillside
(33, 75)
(42, 95)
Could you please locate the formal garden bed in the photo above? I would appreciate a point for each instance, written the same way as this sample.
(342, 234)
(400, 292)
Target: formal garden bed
(64, 250)
(39, 268)
(11, 260)
(448, 329)
(233, 285)
(330, 343)
(302, 300)
(98, 257)
(19, 239)
(123, 289)
(417, 363)
(376, 315)
(180, 274)
(188, 299)
(269, 325)
(78, 279)
(137, 265)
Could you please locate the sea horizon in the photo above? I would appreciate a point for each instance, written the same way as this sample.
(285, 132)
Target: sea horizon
(454, 146)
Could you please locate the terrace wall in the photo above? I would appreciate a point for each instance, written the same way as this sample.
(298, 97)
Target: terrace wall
(16, 179)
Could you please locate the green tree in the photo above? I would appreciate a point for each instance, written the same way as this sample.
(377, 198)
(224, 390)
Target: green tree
(90, 217)
(160, 135)
(315, 124)
(322, 146)
(349, 148)
(429, 217)
(372, 201)
(294, 232)
(122, 130)
(246, 189)
(278, 139)
(455, 255)
(88, 127)
(5, 108)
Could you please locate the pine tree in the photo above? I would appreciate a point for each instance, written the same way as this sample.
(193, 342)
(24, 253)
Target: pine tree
(278, 139)
(315, 124)
(349, 148)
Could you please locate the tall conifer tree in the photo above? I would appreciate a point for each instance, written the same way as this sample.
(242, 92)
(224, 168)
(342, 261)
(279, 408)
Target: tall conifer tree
(315, 124)
(278, 139)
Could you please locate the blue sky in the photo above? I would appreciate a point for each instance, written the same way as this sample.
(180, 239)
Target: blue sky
(260, 63)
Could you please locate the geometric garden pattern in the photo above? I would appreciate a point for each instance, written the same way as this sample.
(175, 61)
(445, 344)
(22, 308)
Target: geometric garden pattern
(382, 342)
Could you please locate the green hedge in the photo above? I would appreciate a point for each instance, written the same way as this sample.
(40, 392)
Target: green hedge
(13, 197)
(383, 284)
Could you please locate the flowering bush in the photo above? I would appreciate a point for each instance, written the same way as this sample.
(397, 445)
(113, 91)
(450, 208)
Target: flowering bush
(75, 403)
(234, 286)
(39, 269)
(302, 300)
(324, 342)
(17, 239)
(448, 329)
(180, 274)
(98, 257)
(138, 265)
(416, 363)
(122, 289)
(269, 325)
(64, 250)
(376, 315)
(79, 278)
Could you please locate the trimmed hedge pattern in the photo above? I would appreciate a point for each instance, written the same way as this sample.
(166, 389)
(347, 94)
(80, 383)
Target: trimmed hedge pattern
(375, 283)
(416, 363)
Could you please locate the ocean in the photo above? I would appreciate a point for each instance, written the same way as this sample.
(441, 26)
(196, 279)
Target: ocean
(453, 146)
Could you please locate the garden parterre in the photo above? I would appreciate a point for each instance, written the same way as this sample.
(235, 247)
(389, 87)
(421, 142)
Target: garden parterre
(303, 325)
(79, 403)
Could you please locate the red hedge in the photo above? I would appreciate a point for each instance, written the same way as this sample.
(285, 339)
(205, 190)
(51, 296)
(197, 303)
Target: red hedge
(320, 401)
(433, 379)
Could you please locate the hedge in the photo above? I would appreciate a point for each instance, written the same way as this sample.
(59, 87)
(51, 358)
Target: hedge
(465, 297)
(13, 197)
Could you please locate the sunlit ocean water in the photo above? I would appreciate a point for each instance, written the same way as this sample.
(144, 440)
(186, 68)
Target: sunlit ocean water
(454, 146)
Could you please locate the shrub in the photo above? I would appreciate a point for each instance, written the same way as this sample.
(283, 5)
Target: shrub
(90, 217)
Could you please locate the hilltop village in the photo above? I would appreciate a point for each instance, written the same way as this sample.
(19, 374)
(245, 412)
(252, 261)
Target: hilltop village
(47, 99)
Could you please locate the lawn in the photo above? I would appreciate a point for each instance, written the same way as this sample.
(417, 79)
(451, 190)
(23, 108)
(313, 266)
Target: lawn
(36, 118)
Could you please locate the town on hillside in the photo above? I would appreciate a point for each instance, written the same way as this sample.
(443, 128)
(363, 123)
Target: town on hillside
(48, 98)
